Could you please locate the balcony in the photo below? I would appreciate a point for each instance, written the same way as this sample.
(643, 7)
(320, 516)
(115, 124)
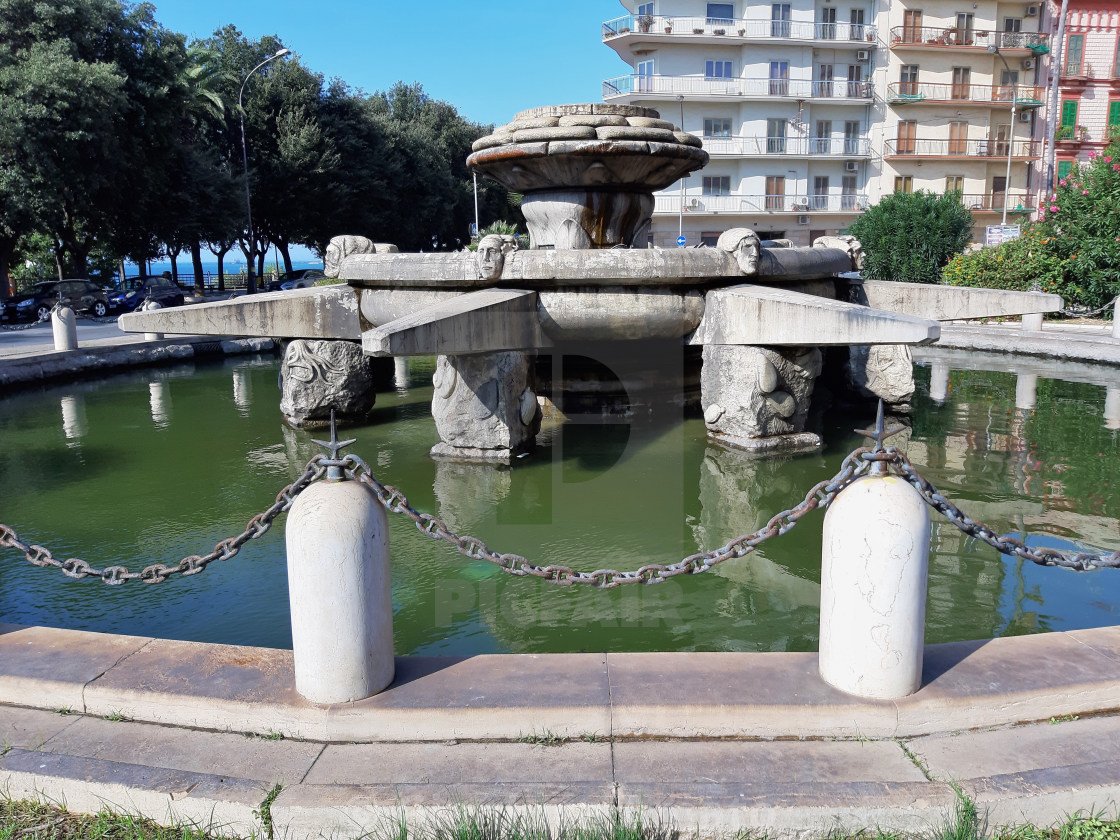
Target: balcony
(635, 87)
(1017, 202)
(994, 149)
(806, 147)
(975, 40)
(712, 205)
(721, 30)
(914, 93)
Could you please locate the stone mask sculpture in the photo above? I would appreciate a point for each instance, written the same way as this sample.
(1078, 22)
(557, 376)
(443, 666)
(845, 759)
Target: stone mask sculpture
(744, 244)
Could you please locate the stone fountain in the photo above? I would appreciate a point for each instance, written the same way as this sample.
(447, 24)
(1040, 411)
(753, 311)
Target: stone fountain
(760, 311)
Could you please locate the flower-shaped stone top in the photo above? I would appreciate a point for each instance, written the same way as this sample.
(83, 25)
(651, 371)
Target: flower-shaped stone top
(588, 146)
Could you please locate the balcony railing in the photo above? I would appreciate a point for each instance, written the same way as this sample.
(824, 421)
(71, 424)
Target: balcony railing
(745, 88)
(980, 39)
(832, 203)
(792, 146)
(663, 25)
(1016, 201)
(1020, 149)
(906, 93)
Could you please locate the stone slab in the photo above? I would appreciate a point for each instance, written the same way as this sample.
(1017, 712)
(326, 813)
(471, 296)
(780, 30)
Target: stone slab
(48, 668)
(189, 750)
(483, 321)
(1049, 344)
(669, 695)
(29, 729)
(88, 785)
(318, 312)
(1029, 773)
(778, 786)
(966, 685)
(766, 315)
(948, 303)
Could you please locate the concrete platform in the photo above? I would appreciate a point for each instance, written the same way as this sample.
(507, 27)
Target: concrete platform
(1027, 726)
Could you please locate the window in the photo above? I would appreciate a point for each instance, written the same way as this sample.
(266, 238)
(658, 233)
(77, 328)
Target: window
(856, 30)
(1064, 168)
(779, 78)
(1012, 25)
(770, 234)
(824, 83)
(958, 138)
(1001, 134)
(717, 69)
(827, 29)
(912, 26)
(709, 238)
(1011, 37)
(851, 137)
(1075, 49)
(645, 10)
(717, 126)
(903, 183)
(954, 183)
(820, 193)
(908, 79)
(907, 132)
(999, 191)
(775, 192)
(857, 88)
(1113, 117)
(1116, 61)
(821, 144)
(964, 34)
(962, 76)
(776, 136)
(848, 198)
(717, 185)
(1069, 118)
(721, 13)
(779, 20)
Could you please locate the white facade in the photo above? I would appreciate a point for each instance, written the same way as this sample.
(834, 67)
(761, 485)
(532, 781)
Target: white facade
(780, 94)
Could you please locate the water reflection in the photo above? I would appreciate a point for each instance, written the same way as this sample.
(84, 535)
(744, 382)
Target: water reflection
(242, 390)
(1026, 391)
(400, 373)
(74, 422)
(159, 399)
(939, 381)
(1112, 407)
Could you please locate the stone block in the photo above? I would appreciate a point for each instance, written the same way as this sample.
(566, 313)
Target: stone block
(594, 120)
(651, 122)
(321, 377)
(949, 303)
(659, 135)
(538, 135)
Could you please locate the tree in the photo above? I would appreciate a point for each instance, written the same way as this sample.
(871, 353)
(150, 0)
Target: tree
(910, 237)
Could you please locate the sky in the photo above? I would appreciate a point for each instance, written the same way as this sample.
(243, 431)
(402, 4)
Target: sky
(489, 59)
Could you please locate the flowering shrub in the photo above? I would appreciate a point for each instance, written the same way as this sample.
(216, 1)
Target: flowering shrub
(1020, 265)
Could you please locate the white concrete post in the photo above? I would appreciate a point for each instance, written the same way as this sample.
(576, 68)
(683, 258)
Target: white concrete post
(1032, 322)
(939, 381)
(1026, 391)
(339, 589)
(1116, 318)
(1112, 407)
(64, 324)
(148, 307)
(873, 589)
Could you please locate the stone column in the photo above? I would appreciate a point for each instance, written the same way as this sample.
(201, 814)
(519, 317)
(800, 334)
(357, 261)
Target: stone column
(484, 406)
(1032, 322)
(757, 398)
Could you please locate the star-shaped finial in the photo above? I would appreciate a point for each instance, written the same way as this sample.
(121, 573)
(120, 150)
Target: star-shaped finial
(881, 432)
(334, 446)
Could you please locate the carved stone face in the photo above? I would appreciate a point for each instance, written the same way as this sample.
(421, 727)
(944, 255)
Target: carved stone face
(490, 257)
(743, 244)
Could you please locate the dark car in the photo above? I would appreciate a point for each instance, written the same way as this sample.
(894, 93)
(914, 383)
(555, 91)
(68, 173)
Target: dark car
(36, 303)
(298, 279)
(134, 291)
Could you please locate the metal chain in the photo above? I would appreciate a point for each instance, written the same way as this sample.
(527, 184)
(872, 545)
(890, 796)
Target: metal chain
(1071, 313)
(1078, 561)
(37, 555)
(108, 319)
(21, 327)
(821, 495)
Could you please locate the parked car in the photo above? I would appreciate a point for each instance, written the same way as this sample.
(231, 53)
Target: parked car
(36, 303)
(299, 279)
(134, 291)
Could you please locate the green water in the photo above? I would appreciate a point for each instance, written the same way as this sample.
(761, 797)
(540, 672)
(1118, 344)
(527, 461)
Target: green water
(151, 466)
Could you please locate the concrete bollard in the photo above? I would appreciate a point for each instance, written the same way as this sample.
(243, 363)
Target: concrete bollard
(1116, 318)
(1026, 391)
(339, 589)
(149, 306)
(873, 589)
(64, 324)
(1032, 322)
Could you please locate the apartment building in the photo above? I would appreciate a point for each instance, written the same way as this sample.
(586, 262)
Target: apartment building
(781, 95)
(959, 97)
(1088, 107)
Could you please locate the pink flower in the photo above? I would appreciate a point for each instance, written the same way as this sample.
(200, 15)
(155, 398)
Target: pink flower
(1053, 208)
(1092, 155)
(1061, 183)
(1108, 160)
(1084, 192)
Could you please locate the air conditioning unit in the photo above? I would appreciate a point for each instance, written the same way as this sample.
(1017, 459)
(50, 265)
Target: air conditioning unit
(1028, 63)
(851, 166)
(863, 55)
(1024, 116)
(694, 203)
(803, 220)
(1032, 11)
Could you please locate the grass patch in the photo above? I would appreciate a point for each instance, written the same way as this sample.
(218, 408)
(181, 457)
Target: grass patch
(114, 717)
(544, 738)
(264, 812)
(23, 820)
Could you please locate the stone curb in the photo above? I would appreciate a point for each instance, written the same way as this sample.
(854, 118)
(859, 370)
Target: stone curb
(1068, 343)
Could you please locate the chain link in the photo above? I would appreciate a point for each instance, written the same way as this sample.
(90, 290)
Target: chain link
(37, 555)
(21, 327)
(1073, 313)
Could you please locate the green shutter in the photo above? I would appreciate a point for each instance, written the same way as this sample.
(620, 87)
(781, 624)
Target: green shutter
(1113, 115)
(1069, 113)
(1064, 166)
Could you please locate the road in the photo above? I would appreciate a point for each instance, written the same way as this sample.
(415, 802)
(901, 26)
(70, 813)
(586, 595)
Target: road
(40, 338)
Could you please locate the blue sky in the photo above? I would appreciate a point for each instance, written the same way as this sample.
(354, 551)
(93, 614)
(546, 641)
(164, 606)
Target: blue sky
(490, 59)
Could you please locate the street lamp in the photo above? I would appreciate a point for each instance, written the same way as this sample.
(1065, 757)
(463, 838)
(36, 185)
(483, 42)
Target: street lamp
(994, 50)
(680, 210)
(250, 282)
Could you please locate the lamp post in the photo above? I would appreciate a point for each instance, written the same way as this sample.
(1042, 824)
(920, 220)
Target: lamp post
(250, 282)
(680, 211)
(994, 49)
